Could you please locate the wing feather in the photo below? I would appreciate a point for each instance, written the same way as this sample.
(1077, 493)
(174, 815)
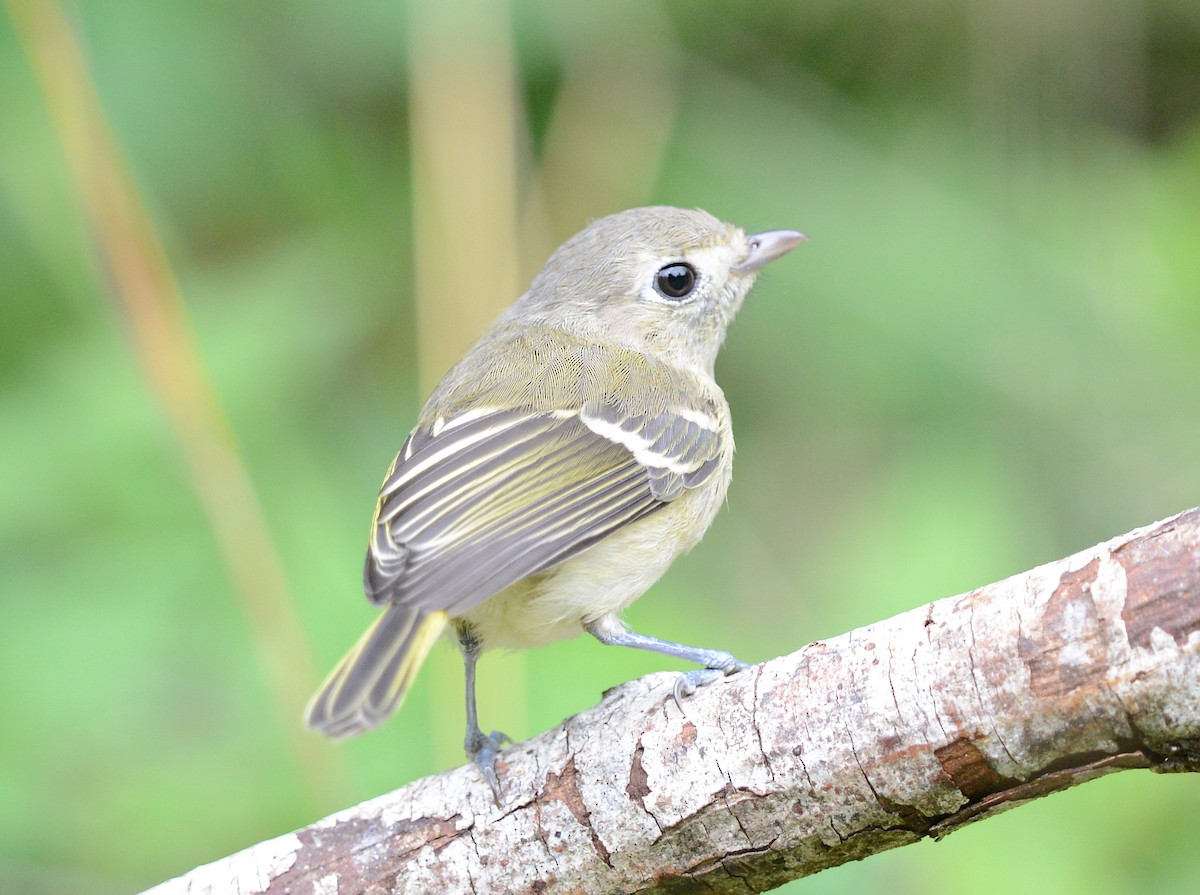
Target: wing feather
(475, 503)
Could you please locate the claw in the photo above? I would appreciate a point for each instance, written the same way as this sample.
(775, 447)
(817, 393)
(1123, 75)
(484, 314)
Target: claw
(688, 682)
(482, 751)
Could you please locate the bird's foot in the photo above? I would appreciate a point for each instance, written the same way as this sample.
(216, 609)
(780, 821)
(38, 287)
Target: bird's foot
(688, 682)
(482, 750)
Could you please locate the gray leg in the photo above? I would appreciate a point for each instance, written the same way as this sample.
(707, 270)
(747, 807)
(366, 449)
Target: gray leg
(717, 663)
(481, 748)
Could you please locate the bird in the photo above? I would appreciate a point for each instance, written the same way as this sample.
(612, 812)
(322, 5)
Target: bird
(560, 467)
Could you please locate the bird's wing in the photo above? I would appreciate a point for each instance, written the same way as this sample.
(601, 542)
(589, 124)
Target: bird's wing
(478, 501)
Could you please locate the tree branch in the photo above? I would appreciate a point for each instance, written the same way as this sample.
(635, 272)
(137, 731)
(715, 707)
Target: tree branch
(907, 728)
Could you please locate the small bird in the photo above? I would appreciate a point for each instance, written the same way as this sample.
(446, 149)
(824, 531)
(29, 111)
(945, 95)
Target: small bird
(560, 467)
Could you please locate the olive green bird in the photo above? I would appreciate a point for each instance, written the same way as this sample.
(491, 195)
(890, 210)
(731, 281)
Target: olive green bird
(561, 466)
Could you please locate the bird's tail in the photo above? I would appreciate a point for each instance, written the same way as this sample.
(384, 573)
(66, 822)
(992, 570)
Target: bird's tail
(371, 680)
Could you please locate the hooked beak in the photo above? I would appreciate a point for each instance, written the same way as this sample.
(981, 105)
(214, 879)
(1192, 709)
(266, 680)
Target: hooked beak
(766, 247)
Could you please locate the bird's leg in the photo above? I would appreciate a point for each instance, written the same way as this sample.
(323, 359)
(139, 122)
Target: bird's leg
(717, 663)
(481, 748)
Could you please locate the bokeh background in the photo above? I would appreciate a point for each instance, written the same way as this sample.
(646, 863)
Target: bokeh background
(239, 241)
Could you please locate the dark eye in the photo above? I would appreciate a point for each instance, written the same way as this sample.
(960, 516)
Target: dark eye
(675, 281)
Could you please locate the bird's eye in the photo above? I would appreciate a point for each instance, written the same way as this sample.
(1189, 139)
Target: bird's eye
(675, 281)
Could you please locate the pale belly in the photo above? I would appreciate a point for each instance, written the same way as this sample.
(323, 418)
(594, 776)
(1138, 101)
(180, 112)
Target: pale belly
(603, 580)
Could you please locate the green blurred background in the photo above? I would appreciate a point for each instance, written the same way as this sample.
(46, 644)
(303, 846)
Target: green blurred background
(986, 358)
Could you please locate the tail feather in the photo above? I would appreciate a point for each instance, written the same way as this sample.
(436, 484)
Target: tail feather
(371, 680)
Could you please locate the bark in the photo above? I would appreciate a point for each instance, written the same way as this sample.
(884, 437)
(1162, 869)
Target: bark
(907, 728)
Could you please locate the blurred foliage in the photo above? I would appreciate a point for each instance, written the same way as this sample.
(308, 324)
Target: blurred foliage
(987, 357)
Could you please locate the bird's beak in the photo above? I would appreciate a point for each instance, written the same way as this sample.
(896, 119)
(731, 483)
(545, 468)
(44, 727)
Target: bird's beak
(766, 247)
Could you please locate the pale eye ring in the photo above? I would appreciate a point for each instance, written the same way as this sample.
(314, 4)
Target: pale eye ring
(676, 281)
